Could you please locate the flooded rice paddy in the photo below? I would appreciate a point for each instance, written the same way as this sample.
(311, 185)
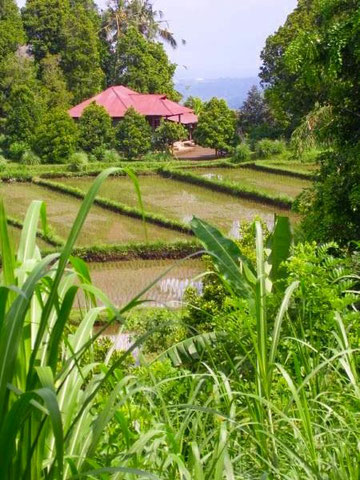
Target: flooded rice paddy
(267, 182)
(15, 234)
(181, 201)
(101, 227)
(122, 281)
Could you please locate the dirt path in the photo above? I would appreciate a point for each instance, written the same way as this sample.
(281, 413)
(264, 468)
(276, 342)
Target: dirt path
(196, 153)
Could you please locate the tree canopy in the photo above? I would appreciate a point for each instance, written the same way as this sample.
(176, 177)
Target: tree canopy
(217, 126)
(11, 28)
(144, 66)
(133, 135)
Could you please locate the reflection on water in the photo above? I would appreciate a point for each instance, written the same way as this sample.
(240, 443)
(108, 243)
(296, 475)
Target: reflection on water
(122, 281)
(213, 176)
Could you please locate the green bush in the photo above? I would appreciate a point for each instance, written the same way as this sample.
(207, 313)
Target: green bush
(267, 148)
(167, 134)
(3, 163)
(133, 135)
(96, 132)
(242, 153)
(56, 137)
(158, 157)
(30, 158)
(78, 161)
(111, 156)
(16, 150)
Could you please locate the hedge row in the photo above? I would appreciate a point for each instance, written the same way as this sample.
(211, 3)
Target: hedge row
(117, 207)
(231, 188)
(132, 251)
(48, 237)
(263, 167)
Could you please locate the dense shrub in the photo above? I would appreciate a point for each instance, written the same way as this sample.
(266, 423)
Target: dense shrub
(17, 150)
(133, 135)
(111, 156)
(30, 158)
(217, 126)
(23, 112)
(78, 161)
(167, 134)
(242, 153)
(56, 137)
(3, 163)
(267, 148)
(95, 129)
(158, 157)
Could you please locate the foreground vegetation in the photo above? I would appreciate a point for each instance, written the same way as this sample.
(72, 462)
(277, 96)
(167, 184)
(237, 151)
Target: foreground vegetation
(266, 380)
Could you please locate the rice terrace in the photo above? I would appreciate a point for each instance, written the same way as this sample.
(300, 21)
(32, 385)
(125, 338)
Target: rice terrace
(179, 240)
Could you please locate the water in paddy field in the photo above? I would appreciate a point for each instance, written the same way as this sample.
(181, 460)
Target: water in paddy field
(122, 281)
(263, 181)
(180, 200)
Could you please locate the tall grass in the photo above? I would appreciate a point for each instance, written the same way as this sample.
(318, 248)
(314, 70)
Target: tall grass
(277, 408)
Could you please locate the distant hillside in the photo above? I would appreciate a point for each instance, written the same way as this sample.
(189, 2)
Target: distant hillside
(233, 90)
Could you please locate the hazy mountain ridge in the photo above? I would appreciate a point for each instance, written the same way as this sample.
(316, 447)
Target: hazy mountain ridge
(233, 90)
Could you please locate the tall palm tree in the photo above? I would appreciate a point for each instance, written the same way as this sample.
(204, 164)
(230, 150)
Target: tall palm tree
(140, 14)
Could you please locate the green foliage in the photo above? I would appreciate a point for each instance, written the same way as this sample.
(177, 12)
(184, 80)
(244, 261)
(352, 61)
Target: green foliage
(3, 163)
(23, 113)
(30, 158)
(242, 153)
(167, 134)
(255, 118)
(133, 135)
(166, 326)
(217, 126)
(77, 161)
(11, 28)
(80, 59)
(111, 156)
(95, 129)
(16, 150)
(143, 66)
(195, 103)
(267, 148)
(54, 83)
(56, 137)
(44, 22)
(288, 95)
(331, 209)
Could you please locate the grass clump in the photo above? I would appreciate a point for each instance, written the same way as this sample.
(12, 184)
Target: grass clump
(267, 148)
(242, 153)
(30, 158)
(78, 161)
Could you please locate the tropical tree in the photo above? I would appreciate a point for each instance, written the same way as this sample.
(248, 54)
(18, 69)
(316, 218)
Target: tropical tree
(23, 112)
(144, 66)
(167, 134)
(11, 28)
(56, 137)
(95, 129)
(288, 96)
(80, 58)
(217, 126)
(195, 103)
(44, 22)
(323, 57)
(133, 135)
(54, 83)
(140, 14)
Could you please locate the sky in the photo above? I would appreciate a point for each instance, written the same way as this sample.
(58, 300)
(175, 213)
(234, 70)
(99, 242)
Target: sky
(224, 38)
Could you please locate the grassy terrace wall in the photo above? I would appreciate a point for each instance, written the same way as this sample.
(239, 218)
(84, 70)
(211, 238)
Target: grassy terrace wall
(117, 207)
(280, 170)
(231, 188)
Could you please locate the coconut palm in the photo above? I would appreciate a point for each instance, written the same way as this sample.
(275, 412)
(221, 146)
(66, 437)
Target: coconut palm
(140, 14)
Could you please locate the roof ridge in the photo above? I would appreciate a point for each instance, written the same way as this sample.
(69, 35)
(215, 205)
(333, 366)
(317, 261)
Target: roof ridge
(118, 96)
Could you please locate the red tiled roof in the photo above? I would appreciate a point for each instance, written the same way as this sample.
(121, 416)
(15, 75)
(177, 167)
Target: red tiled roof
(117, 100)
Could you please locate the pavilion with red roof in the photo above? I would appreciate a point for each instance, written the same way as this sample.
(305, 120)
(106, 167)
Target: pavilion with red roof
(117, 100)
